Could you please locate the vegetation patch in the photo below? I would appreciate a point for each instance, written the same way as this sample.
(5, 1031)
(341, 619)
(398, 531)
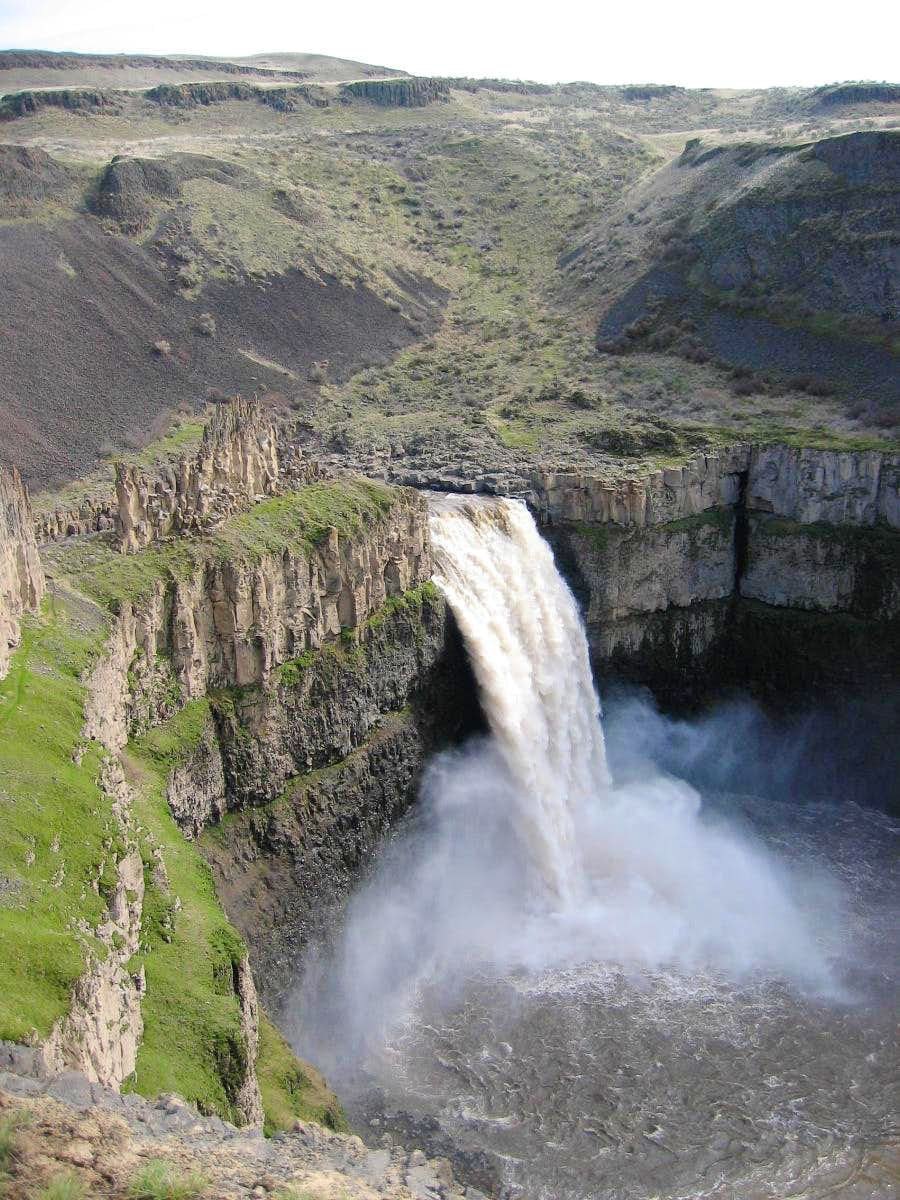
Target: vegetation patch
(171, 744)
(159, 1180)
(59, 841)
(193, 1043)
(296, 523)
(292, 1090)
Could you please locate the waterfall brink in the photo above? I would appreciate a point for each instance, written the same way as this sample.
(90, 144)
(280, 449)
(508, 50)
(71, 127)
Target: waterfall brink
(527, 645)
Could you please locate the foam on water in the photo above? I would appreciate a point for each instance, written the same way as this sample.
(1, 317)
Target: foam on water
(545, 956)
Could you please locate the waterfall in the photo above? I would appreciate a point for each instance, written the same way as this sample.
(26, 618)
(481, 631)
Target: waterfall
(527, 645)
(523, 858)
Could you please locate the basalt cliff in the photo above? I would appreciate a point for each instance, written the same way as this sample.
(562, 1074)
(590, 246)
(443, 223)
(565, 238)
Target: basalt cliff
(249, 665)
(239, 674)
(769, 568)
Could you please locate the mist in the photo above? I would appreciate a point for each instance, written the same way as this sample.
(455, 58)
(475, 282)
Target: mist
(669, 865)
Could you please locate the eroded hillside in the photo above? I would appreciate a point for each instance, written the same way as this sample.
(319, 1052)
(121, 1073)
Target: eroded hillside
(414, 270)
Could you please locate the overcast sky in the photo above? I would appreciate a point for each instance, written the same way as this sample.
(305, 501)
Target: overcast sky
(697, 43)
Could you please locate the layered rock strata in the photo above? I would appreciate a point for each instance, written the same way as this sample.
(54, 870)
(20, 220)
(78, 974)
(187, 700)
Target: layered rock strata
(684, 574)
(21, 574)
(316, 771)
(232, 623)
(237, 463)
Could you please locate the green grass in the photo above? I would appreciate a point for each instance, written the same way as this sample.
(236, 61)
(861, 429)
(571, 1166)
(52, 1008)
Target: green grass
(57, 832)
(291, 1090)
(192, 1043)
(9, 1129)
(159, 1180)
(66, 1186)
(710, 518)
(170, 744)
(297, 523)
(183, 436)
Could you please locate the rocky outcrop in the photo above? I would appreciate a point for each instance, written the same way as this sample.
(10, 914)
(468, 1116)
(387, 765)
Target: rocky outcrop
(21, 104)
(669, 494)
(21, 574)
(283, 99)
(91, 516)
(101, 1033)
(823, 568)
(837, 487)
(65, 1126)
(667, 566)
(398, 93)
(825, 486)
(236, 464)
(248, 1101)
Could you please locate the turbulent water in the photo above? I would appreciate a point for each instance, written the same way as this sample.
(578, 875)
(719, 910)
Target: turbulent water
(590, 983)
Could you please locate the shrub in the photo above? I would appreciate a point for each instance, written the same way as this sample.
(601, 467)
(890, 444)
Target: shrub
(189, 275)
(579, 398)
(9, 1127)
(206, 325)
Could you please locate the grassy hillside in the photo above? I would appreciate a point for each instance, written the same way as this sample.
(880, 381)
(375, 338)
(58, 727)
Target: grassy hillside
(58, 838)
(428, 280)
(59, 842)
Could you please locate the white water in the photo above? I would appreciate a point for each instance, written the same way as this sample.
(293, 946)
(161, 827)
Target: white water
(530, 657)
(525, 855)
(545, 960)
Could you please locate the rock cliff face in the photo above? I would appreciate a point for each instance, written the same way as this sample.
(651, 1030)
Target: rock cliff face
(669, 569)
(231, 624)
(237, 463)
(21, 574)
(92, 516)
(832, 487)
(329, 671)
(398, 93)
(317, 770)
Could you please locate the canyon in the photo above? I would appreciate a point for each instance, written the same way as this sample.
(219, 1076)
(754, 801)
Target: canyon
(273, 647)
(268, 322)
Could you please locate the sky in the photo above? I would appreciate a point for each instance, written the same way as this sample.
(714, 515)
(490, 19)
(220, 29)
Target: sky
(695, 43)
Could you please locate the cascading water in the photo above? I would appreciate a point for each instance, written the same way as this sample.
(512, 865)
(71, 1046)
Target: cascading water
(580, 985)
(530, 656)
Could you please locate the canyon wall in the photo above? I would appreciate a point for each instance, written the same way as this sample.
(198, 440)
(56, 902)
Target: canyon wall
(21, 573)
(325, 672)
(317, 771)
(237, 463)
(691, 577)
(232, 622)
